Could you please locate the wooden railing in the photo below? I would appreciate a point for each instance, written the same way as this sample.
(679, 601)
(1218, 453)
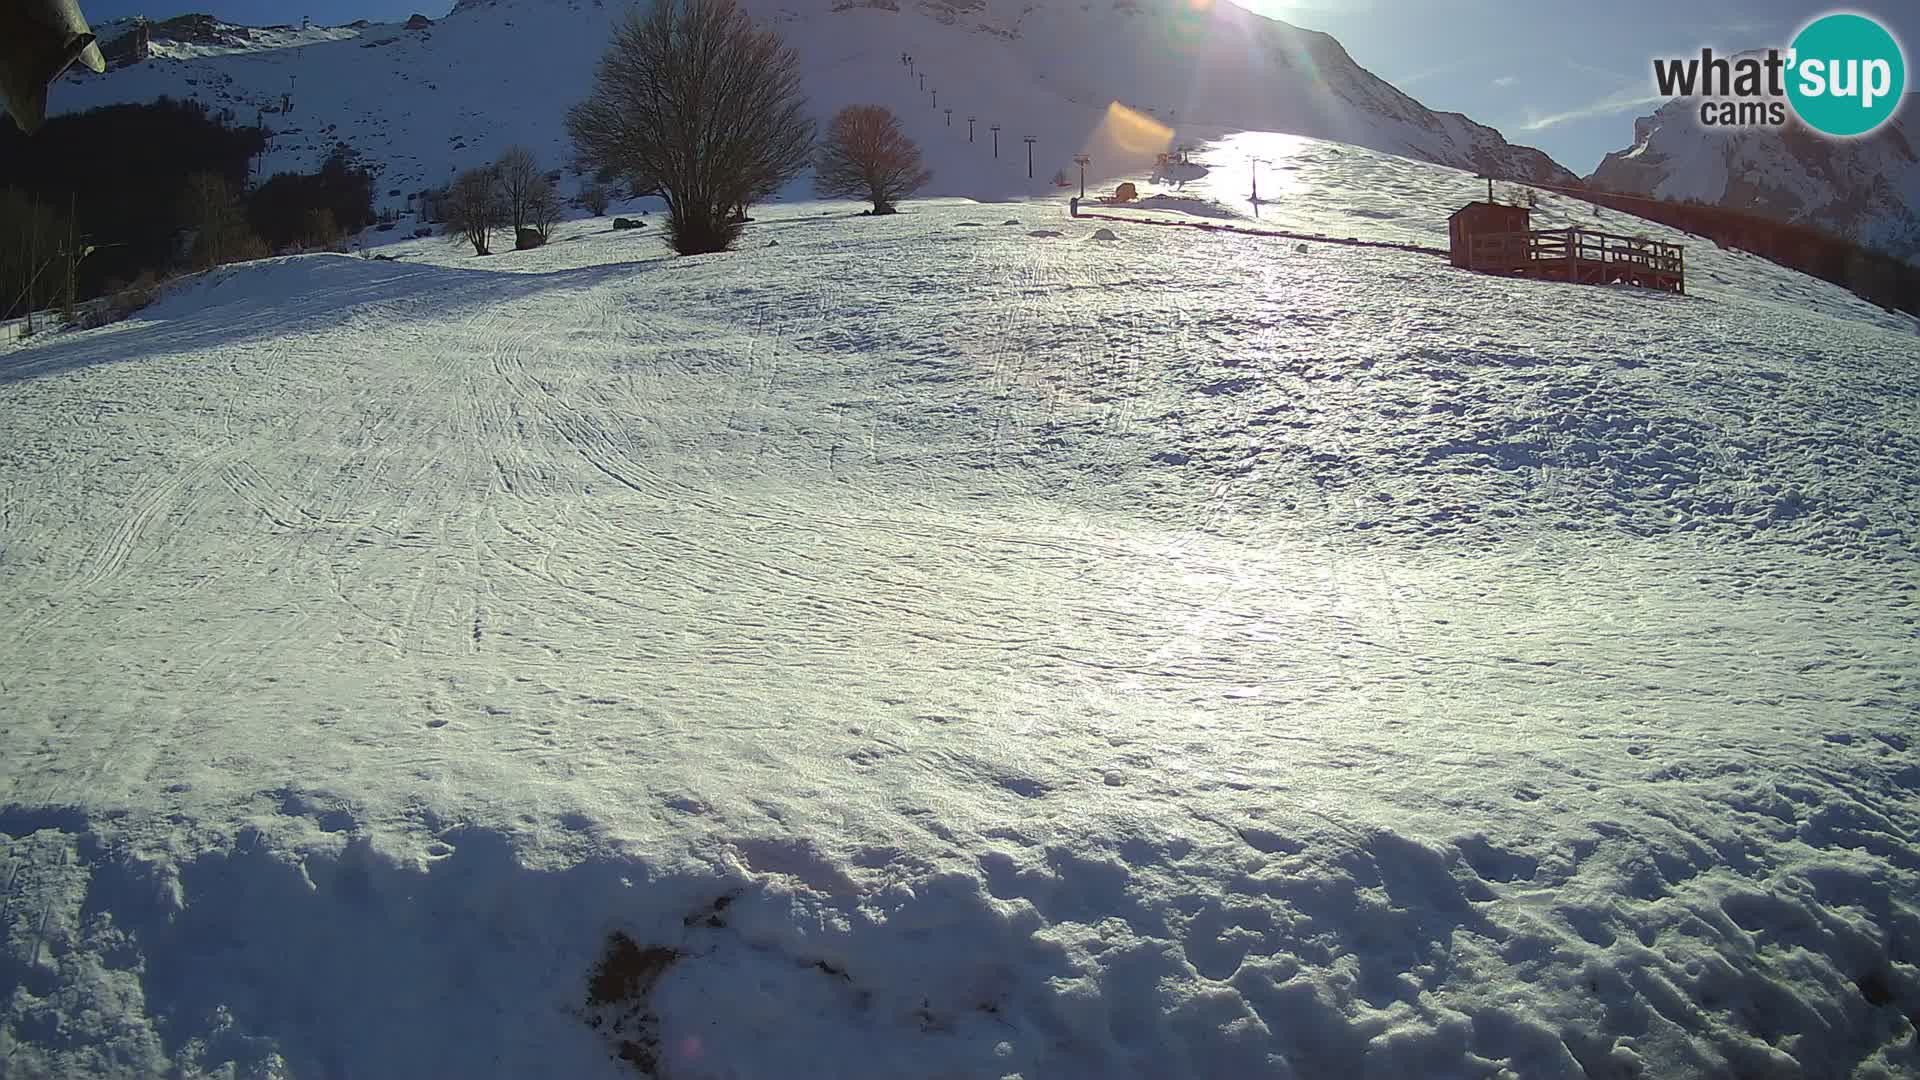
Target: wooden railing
(1606, 248)
(1575, 246)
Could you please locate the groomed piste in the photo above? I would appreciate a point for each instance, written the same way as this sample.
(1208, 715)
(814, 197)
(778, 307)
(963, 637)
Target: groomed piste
(918, 649)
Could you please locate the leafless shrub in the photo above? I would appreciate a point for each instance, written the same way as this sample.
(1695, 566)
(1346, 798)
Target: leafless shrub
(523, 187)
(543, 210)
(122, 300)
(473, 208)
(867, 156)
(693, 102)
(31, 236)
(319, 231)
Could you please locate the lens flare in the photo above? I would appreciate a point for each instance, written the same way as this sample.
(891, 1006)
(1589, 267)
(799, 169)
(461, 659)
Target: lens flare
(1132, 133)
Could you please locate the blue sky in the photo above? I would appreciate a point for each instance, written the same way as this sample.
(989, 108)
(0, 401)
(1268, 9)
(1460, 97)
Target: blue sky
(1567, 76)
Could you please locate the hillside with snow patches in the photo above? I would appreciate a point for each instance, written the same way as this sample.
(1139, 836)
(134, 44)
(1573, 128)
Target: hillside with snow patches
(423, 103)
(193, 37)
(966, 644)
(1865, 190)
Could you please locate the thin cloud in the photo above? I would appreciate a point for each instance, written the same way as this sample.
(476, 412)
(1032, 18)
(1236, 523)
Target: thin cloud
(1505, 81)
(1600, 72)
(1612, 105)
(1405, 81)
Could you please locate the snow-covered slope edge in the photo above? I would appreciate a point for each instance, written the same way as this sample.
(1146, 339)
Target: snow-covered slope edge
(426, 101)
(1865, 190)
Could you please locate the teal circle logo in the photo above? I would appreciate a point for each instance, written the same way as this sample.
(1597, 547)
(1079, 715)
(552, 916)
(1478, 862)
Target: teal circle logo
(1846, 75)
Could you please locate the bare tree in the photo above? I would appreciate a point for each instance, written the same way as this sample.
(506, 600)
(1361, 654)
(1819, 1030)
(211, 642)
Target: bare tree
(595, 197)
(28, 232)
(221, 235)
(693, 102)
(431, 204)
(319, 230)
(543, 210)
(867, 156)
(473, 208)
(522, 187)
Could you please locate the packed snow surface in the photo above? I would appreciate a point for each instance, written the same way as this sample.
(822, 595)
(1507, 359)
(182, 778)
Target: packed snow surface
(942, 645)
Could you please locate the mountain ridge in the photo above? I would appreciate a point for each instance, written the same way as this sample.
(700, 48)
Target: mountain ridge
(1862, 190)
(421, 101)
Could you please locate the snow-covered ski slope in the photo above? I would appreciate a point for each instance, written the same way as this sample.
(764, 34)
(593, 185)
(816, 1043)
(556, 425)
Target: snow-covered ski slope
(972, 649)
(423, 103)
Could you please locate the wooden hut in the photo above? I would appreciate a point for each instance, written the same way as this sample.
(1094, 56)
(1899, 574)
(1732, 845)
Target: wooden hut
(1489, 236)
(1496, 239)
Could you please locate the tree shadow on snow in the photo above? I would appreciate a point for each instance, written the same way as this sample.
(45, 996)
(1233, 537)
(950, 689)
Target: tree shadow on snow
(235, 305)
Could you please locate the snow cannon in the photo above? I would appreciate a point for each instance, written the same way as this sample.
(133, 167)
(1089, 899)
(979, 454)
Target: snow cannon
(39, 41)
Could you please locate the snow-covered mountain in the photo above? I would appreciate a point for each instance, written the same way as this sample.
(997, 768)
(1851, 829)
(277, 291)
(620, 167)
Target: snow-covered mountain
(189, 37)
(422, 99)
(1865, 190)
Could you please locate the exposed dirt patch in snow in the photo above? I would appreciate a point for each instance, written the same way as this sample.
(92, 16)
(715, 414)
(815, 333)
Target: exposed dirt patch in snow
(617, 999)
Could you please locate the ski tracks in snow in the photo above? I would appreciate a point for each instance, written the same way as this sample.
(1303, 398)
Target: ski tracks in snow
(1084, 581)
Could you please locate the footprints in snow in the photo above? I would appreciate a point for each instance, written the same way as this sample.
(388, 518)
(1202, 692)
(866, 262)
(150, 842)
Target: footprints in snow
(882, 752)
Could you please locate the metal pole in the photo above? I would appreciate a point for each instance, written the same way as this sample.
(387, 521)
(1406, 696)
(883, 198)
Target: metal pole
(936, 99)
(1029, 139)
(970, 128)
(923, 81)
(1083, 161)
(949, 117)
(996, 141)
